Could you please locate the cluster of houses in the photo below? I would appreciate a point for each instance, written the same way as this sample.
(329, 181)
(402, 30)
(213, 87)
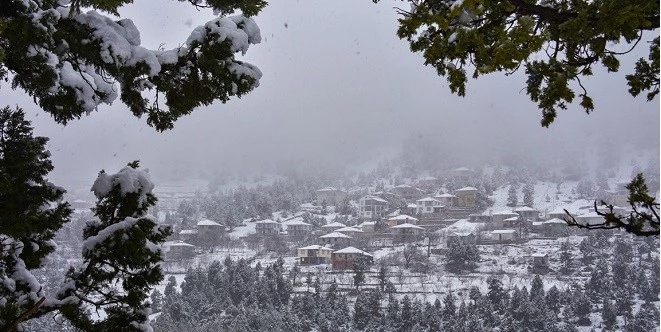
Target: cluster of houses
(384, 216)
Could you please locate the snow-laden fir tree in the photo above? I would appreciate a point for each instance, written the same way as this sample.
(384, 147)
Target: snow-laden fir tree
(512, 196)
(121, 254)
(31, 213)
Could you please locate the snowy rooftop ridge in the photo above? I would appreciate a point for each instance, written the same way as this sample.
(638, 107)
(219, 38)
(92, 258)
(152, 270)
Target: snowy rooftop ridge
(406, 225)
(467, 189)
(351, 250)
(207, 222)
(334, 224)
(403, 217)
(335, 235)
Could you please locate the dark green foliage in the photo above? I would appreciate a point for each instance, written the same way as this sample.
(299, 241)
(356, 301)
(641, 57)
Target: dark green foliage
(39, 47)
(528, 194)
(462, 255)
(488, 36)
(608, 315)
(120, 253)
(512, 196)
(31, 211)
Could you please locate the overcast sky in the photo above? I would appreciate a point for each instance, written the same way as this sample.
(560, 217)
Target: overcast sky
(338, 87)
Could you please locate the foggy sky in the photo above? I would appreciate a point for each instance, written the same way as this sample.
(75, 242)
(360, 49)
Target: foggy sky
(338, 88)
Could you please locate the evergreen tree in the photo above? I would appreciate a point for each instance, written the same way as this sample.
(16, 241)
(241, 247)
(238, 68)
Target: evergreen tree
(462, 255)
(608, 315)
(528, 194)
(512, 196)
(496, 294)
(120, 253)
(31, 213)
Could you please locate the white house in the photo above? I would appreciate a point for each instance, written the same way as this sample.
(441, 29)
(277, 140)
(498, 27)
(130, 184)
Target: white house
(368, 226)
(446, 199)
(504, 235)
(372, 207)
(428, 205)
(314, 254)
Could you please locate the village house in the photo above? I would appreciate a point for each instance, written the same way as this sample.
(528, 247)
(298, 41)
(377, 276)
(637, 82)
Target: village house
(540, 261)
(407, 192)
(428, 205)
(336, 239)
(368, 226)
(209, 227)
(590, 218)
(344, 258)
(332, 227)
(504, 235)
(466, 197)
(527, 213)
(297, 227)
(558, 212)
(188, 235)
(314, 255)
(372, 207)
(351, 231)
(176, 250)
(447, 200)
(454, 237)
(330, 196)
(512, 222)
(402, 219)
(461, 174)
(406, 232)
(267, 227)
(498, 217)
(478, 217)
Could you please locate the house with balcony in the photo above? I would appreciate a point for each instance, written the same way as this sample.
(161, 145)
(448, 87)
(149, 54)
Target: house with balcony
(209, 227)
(268, 227)
(428, 205)
(466, 197)
(372, 207)
(314, 255)
(446, 199)
(406, 233)
(297, 227)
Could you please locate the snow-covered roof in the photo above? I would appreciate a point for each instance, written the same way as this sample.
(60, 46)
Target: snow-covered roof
(466, 189)
(296, 221)
(462, 169)
(446, 195)
(460, 234)
(334, 224)
(329, 189)
(407, 225)
(504, 213)
(348, 229)
(335, 235)
(403, 217)
(511, 219)
(412, 206)
(428, 199)
(555, 221)
(403, 186)
(207, 222)
(537, 223)
(558, 210)
(524, 209)
(188, 231)
(177, 244)
(374, 198)
(538, 255)
(503, 231)
(313, 247)
(367, 223)
(351, 250)
(266, 221)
